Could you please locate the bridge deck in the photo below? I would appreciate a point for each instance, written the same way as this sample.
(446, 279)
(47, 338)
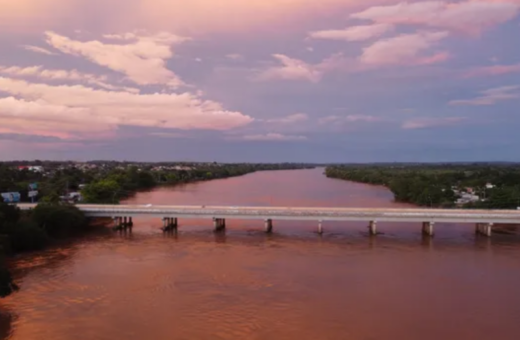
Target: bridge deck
(302, 213)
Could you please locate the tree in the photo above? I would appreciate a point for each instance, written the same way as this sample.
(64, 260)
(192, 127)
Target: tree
(59, 220)
(103, 192)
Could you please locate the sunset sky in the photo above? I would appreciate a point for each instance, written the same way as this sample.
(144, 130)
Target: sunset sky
(260, 80)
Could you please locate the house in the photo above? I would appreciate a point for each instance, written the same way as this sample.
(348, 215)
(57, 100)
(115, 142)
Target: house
(33, 168)
(489, 186)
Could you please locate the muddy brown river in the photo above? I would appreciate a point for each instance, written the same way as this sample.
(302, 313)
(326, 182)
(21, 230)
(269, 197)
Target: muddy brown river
(247, 285)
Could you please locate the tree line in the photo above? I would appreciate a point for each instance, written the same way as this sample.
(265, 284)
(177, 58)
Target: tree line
(112, 186)
(109, 182)
(436, 185)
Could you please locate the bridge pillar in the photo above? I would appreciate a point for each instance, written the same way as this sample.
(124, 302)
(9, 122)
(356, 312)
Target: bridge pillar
(130, 222)
(268, 226)
(427, 228)
(219, 223)
(125, 222)
(320, 227)
(165, 223)
(484, 229)
(173, 223)
(372, 228)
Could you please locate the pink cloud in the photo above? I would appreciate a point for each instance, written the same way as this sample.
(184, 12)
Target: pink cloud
(490, 96)
(422, 123)
(291, 119)
(73, 75)
(291, 69)
(100, 111)
(354, 33)
(404, 49)
(494, 70)
(466, 16)
(37, 49)
(295, 69)
(142, 60)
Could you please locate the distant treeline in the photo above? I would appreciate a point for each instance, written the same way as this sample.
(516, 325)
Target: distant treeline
(108, 182)
(436, 185)
(110, 187)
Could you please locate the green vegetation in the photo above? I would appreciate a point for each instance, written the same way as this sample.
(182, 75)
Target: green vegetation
(441, 185)
(34, 230)
(109, 182)
(116, 184)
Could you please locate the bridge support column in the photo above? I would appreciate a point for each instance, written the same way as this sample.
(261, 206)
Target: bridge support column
(130, 222)
(372, 228)
(219, 223)
(125, 222)
(268, 226)
(427, 228)
(320, 227)
(484, 229)
(165, 223)
(174, 223)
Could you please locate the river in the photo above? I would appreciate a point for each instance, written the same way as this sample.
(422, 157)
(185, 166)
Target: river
(293, 284)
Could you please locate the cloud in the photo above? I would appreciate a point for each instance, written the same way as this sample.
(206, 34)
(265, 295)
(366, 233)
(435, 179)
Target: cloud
(74, 75)
(64, 110)
(235, 56)
(18, 137)
(294, 118)
(469, 17)
(491, 96)
(404, 49)
(494, 70)
(334, 119)
(273, 137)
(295, 69)
(291, 69)
(38, 50)
(143, 60)
(423, 123)
(42, 118)
(355, 33)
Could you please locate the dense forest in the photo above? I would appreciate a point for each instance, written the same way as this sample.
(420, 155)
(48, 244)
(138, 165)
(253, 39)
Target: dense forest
(496, 186)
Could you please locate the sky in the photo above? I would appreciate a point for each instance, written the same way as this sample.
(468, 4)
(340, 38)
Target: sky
(260, 80)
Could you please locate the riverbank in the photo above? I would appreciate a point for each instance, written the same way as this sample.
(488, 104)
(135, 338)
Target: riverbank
(444, 186)
(117, 184)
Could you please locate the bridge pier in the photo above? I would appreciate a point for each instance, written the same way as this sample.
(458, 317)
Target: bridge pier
(484, 229)
(219, 224)
(372, 228)
(169, 223)
(268, 226)
(320, 227)
(427, 228)
(130, 222)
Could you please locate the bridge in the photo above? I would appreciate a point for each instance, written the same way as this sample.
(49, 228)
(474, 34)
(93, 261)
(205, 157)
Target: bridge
(123, 214)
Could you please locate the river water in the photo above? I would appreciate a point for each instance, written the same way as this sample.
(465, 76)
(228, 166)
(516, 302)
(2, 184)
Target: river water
(293, 284)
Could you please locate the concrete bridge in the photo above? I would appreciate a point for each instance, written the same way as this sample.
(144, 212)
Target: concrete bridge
(123, 214)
